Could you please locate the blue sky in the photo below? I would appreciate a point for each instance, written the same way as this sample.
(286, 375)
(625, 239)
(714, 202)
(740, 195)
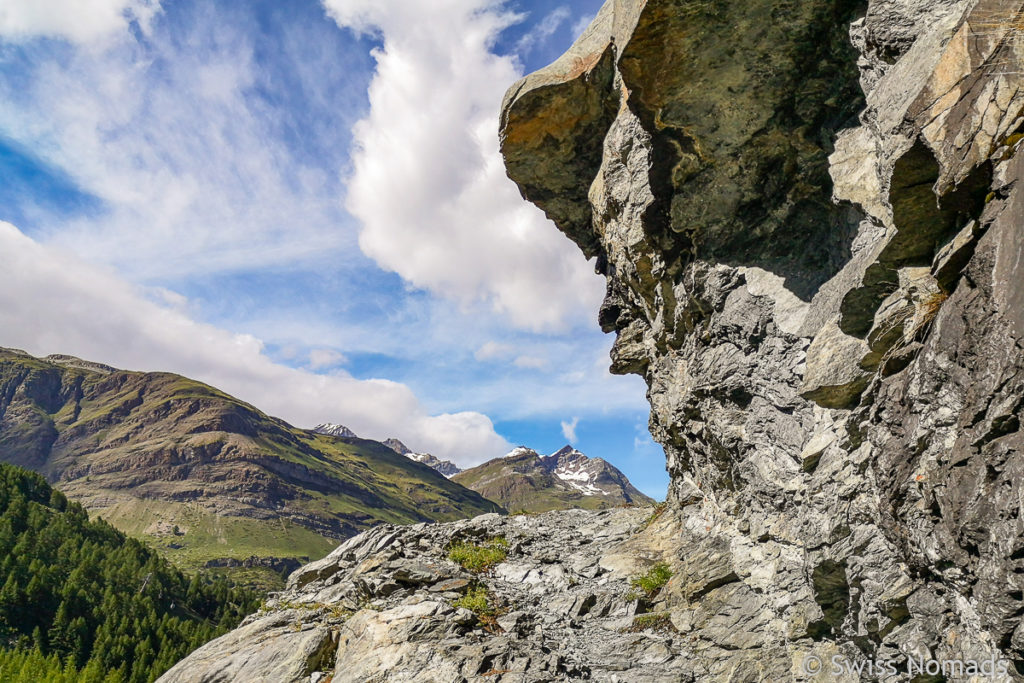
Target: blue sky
(302, 202)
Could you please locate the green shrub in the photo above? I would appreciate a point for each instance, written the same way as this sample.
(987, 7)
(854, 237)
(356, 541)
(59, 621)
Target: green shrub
(476, 600)
(651, 583)
(479, 558)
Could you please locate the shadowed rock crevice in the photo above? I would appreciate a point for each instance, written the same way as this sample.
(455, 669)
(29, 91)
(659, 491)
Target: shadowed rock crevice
(832, 593)
(924, 222)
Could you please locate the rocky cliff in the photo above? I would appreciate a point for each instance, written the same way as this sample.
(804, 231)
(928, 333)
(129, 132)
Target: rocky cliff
(827, 309)
(809, 219)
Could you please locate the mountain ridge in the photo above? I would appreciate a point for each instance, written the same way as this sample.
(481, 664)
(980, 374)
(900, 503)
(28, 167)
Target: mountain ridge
(524, 480)
(152, 452)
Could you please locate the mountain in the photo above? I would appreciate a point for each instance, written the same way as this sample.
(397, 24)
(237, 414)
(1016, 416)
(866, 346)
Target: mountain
(77, 594)
(523, 480)
(201, 475)
(445, 467)
(329, 429)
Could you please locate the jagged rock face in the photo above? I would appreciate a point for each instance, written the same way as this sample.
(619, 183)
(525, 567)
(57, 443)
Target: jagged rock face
(827, 308)
(828, 311)
(380, 608)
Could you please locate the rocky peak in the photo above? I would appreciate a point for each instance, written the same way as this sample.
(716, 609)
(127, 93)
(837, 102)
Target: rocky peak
(73, 362)
(445, 467)
(525, 480)
(331, 429)
(566, 451)
(397, 446)
(521, 452)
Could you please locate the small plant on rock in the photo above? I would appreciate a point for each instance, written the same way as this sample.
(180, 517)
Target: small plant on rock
(479, 558)
(476, 600)
(660, 621)
(650, 584)
(659, 510)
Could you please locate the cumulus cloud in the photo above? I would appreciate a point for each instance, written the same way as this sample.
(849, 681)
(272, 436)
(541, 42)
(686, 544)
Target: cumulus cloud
(51, 302)
(428, 183)
(569, 429)
(80, 21)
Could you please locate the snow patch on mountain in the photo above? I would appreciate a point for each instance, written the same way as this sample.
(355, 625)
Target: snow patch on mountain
(331, 429)
(445, 467)
(520, 450)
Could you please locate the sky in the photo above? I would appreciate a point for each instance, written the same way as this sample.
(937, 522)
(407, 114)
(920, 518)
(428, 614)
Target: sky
(302, 203)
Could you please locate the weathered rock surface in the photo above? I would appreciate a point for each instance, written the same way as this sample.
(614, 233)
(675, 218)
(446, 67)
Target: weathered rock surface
(380, 607)
(810, 221)
(827, 310)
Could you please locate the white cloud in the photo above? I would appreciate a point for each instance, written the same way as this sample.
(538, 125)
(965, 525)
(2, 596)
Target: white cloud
(429, 184)
(325, 358)
(79, 21)
(544, 29)
(51, 302)
(187, 158)
(530, 362)
(569, 429)
(493, 350)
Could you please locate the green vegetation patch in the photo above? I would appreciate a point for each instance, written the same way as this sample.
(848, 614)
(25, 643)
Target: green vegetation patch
(659, 510)
(660, 621)
(650, 584)
(479, 558)
(476, 600)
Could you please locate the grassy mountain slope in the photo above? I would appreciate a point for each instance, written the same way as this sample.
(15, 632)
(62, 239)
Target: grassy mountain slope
(200, 474)
(526, 482)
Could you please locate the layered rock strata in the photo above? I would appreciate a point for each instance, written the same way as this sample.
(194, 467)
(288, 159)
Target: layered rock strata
(827, 310)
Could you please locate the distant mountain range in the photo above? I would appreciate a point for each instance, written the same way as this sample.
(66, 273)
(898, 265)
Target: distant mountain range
(526, 481)
(204, 476)
(212, 481)
(445, 467)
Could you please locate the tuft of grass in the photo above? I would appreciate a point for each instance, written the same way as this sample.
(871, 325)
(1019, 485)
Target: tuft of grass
(660, 621)
(479, 558)
(476, 600)
(650, 584)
